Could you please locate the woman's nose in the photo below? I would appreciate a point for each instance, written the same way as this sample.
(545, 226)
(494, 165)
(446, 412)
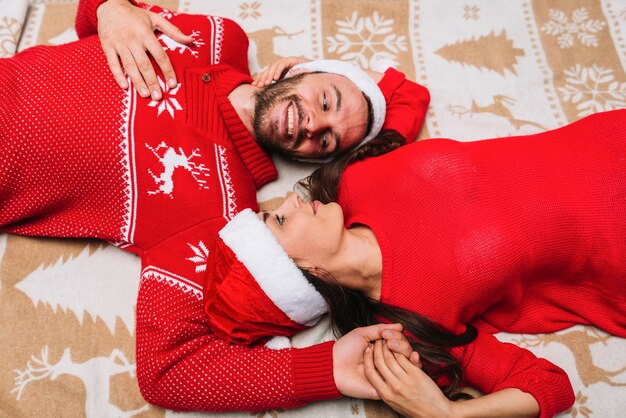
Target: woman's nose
(292, 201)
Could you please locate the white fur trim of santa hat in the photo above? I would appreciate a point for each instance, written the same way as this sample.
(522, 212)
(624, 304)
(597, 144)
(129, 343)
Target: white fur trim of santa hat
(360, 78)
(256, 247)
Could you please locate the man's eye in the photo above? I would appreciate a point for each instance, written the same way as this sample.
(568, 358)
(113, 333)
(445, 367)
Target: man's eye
(324, 140)
(280, 219)
(324, 104)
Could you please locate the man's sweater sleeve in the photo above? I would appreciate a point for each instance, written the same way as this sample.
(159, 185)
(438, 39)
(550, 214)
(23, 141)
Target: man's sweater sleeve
(407, 103)
(491, 365)
(182, 366)
(86, 19)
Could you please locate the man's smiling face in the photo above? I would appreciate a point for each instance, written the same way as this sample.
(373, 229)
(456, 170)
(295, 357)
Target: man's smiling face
(311, 115)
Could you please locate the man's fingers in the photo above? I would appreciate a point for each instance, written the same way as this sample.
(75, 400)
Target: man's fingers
(415, 359)
(171, 30)
(115, 67)
(373, 332)
(147, 73)
(397, 342)
(130, 66)
(163, 61)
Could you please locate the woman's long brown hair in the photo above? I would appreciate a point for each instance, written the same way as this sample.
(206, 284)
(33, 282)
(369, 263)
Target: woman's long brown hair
(350, 309)
(323, 183)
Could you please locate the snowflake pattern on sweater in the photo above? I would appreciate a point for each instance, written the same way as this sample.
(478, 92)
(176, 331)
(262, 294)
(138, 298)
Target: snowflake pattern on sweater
(169, 103)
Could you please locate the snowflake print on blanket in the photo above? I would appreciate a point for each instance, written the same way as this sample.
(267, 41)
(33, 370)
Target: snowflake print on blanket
(581, 27)
(172, 159)
(168, 102)
(593, 89)
(367, 42)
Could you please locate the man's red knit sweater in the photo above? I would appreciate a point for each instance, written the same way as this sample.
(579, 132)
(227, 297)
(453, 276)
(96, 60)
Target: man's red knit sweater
(523, 234)
(83, 158)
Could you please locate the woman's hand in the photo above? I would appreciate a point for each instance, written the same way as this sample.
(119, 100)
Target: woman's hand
(127, 35)
(276, 71)
(403, 385)
(348, 360)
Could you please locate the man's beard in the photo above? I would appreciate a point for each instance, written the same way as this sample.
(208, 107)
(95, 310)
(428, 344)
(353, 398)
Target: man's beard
(266, 131)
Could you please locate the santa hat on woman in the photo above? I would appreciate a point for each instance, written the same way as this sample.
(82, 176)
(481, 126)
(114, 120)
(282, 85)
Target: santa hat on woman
(363, 82)
(253, 289)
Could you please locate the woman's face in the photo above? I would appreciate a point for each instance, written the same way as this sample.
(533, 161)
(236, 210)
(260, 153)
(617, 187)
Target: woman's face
(310, 232)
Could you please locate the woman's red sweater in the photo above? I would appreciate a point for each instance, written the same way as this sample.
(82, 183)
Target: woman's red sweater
(524, 234)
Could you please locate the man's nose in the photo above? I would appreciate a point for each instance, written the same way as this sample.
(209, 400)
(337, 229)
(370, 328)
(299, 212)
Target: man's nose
(316, 123)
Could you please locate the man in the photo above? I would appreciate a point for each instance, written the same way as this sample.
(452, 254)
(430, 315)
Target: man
(321, 134)
(159, 178)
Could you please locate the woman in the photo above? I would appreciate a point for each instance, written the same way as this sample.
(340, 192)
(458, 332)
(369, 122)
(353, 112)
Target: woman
(522, 234)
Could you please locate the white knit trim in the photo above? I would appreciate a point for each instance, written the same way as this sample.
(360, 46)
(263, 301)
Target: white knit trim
(152, 273)
(228, 190)
(127, 146)
(217, 33)
(279, 277)
(219, 37)
(363, 82)
(278, 343)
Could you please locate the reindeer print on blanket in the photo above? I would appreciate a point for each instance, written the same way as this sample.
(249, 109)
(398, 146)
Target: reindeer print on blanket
(97, 390)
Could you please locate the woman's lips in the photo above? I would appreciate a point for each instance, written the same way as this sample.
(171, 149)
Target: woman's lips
(315, 205)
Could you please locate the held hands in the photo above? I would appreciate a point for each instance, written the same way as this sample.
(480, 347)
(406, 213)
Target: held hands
(276, 71)
(127, 35)
(403, 385)
(348, 358)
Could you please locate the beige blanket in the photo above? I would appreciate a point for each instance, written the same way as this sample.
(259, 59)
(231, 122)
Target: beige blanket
(494, 68)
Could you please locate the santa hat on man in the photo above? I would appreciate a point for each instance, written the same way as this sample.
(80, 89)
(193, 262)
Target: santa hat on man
(363, 82)
(253, 289)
